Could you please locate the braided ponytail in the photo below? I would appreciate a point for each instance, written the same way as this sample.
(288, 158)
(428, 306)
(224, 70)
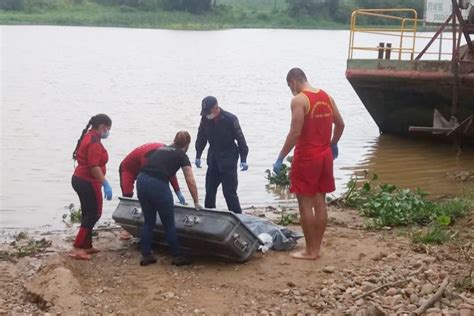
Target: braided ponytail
(94, 122)
(84, 131)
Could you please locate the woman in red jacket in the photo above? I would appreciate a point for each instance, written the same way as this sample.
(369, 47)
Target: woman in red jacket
(88, 178)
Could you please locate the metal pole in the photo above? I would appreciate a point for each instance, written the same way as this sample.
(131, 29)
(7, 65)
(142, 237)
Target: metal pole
(454, 64)
(401, 40)
(425, 11)
(440, 45)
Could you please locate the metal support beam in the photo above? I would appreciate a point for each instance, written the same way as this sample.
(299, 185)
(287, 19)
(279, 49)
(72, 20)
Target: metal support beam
(440, 29)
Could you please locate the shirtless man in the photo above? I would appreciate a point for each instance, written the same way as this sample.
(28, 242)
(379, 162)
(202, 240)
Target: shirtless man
(313, 113)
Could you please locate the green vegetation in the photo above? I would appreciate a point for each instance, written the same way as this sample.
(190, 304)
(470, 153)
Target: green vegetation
(283, 177)
(74, 215)
(191, 14)
(436, 235)
(21, 236)
(465, 283)
(385, 205)
(32, 247)
(287, 218)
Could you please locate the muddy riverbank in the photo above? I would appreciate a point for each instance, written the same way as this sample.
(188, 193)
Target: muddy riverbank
(355, 262)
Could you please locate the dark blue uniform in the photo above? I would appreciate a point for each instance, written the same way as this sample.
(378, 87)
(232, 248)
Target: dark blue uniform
(222, 157)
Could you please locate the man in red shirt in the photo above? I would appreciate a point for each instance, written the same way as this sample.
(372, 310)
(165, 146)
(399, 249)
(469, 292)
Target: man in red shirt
(313, 114)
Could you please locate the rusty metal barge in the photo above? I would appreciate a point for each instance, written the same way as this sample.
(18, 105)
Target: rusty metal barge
(415, 93)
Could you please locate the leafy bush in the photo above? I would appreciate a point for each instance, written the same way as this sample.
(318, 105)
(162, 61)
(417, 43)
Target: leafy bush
(74, 215)
(287, 218)
(283, 177)
(436, 235)
(387, 205)
(280, 179)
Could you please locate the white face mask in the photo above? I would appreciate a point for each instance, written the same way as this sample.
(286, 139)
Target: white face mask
(210, 116)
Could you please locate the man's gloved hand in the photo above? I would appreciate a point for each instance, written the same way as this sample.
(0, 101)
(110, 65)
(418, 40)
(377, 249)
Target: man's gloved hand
(181, 198)
(197, 162)
(107, 190)
(335, 151)
(244, 166)
(278, 165)
(197, 206)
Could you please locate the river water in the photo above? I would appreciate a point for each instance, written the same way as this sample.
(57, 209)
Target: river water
(151, 83)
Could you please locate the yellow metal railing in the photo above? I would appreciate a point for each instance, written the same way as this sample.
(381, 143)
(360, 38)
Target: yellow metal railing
(403, 27)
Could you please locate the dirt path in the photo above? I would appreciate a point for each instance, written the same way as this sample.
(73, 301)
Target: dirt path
(354, 261)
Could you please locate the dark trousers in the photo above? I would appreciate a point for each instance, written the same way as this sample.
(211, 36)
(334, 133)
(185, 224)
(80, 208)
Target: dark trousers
(90, 195)
(228, 178)
(155, 196)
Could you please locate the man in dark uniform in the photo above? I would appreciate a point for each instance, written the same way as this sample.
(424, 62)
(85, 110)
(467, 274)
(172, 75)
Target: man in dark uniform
(221, 129)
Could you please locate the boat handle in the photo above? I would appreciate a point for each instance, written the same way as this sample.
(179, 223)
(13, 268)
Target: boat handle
(190, 220)
(136, 212)
(239, 243)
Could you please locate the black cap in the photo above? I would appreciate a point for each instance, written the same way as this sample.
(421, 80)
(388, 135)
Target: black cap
(207, 104)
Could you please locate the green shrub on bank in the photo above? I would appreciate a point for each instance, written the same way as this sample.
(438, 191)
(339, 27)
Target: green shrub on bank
(436, 235)
(386, 205)
(283, 177)
(74, 215)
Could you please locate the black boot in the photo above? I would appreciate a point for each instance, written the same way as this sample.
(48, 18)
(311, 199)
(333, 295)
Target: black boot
(148, 259)
(181, 261)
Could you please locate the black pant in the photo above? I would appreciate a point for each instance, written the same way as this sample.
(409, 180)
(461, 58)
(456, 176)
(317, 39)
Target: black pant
(90, 195)
(228, 178)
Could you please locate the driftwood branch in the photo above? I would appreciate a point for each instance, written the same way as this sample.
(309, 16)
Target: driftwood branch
(433, 298)
(381, 287)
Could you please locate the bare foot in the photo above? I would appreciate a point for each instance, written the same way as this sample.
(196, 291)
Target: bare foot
(124, 235)
(302, 254)
(91, 251)
(79, 254)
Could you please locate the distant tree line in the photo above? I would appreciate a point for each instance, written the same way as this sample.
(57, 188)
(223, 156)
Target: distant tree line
(340, 10)
(336, 10)
(193, 6)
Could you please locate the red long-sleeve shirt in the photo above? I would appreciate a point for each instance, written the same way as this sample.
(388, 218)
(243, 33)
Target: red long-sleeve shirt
(138, 157)
(91, 153)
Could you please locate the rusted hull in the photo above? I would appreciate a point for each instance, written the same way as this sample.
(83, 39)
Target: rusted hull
(399, 94)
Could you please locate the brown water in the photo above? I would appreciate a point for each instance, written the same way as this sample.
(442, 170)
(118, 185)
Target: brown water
(413, 164)
(151, 83)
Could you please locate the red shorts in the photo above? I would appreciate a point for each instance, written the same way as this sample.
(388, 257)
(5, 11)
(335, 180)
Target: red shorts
(309, 177)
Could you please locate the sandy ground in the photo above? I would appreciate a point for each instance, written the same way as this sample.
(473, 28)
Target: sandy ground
(354, 262)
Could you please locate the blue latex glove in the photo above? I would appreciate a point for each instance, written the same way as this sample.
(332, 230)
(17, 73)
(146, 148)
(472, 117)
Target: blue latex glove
(244, 166)
(335, 151)
(107, 190)
(278, 165)
(197, 162)
(181, 198)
